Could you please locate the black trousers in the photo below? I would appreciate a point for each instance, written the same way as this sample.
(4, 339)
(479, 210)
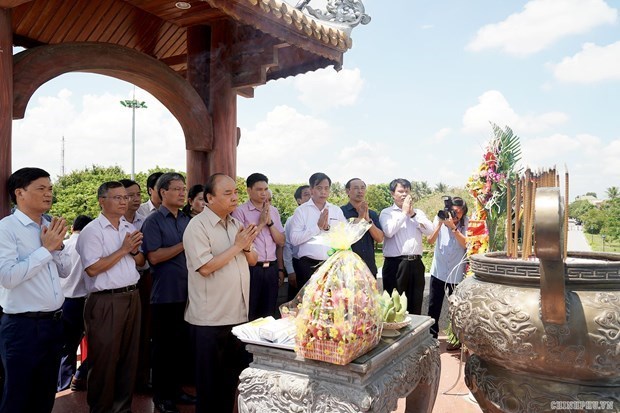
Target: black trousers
(264, 284)
(170, 347)
(73, 324)
(405, 276)
(436, 295)
(220, 359)
(30, 351)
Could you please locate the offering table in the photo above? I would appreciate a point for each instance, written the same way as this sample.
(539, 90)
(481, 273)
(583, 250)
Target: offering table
(406, 365)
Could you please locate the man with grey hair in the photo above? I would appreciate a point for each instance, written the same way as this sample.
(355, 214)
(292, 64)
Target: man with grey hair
(109, 249)
(163, 245)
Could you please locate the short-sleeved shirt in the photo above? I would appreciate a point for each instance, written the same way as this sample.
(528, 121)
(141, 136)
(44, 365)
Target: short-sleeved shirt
(99, 239)
(29, 273)
(162, 229)
(264, 244)
(365, 247)
(73, 286)
(448, 261)
(222, 297)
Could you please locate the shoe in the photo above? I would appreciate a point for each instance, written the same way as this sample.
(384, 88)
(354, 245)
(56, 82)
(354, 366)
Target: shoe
(186, 398)
(77, 384)
(453, 347)
(166, 406)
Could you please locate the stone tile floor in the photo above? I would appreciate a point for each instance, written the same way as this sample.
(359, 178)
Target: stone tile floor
(457, 400)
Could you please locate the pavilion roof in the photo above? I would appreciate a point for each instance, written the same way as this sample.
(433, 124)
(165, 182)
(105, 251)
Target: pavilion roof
(270, 33)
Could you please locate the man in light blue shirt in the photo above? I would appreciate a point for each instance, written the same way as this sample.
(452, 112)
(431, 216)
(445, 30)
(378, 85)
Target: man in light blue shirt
(31, 263)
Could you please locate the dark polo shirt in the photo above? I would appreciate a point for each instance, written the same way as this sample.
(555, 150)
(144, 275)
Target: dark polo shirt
(365, 247)
(161, 230)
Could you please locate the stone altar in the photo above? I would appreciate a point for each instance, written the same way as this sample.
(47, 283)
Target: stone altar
(407, 365)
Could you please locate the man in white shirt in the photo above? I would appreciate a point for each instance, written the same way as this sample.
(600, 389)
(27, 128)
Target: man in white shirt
(309, 220)
(403, 227)
(31, 262)
(75, 292)
(154, 201)
(109, 249)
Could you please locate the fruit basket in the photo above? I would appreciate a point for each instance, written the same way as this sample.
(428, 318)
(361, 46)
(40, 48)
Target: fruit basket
(397, 325)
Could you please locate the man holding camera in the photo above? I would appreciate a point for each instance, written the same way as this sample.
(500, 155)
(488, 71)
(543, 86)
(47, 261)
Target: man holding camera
(403, 227)
(448, 265)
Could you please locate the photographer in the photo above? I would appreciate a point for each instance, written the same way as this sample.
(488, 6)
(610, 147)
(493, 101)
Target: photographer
(448, 265)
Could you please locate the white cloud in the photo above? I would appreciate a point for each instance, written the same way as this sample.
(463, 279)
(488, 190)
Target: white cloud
(493, 107)
(592, 64)
(287, 146)
(97, 131)
(370, 161)
(591, 161)
(441, 134)
(542, 23)
(325, 88)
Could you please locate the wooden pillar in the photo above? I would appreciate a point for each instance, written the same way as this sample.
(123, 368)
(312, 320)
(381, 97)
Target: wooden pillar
(223, 101)
(6, 106)
(198, 75)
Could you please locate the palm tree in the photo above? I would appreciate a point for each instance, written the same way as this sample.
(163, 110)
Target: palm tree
(612, 192)
(441, 188)
(419, 190)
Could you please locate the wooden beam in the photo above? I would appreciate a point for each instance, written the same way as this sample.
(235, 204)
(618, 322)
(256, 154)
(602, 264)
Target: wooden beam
(6, 103)
(245, 92)
(7, 4)
(175, 60)
(33, 67)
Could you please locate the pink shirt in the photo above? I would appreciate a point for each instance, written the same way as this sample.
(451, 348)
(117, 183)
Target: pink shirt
(264, 244)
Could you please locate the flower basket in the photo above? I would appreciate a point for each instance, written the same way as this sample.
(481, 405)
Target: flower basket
(338, 315)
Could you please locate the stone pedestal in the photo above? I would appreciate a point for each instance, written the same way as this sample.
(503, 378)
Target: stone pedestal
(406, 365)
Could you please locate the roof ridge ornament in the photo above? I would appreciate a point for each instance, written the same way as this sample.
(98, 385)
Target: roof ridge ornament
(343, 14)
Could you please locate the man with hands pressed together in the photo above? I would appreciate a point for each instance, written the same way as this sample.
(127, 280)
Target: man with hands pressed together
(309, 220)
(31, 262)
(265, 277)
(109, 248)
(403, 227)
(219, 252)
(358, 208)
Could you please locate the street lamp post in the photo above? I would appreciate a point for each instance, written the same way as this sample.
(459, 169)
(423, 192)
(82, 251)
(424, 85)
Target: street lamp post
(133, 104)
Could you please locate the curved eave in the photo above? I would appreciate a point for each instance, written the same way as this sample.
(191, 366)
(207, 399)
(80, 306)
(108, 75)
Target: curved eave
(289, 25)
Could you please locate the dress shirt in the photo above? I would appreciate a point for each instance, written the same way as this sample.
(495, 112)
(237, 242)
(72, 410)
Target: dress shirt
(73, 286)
(365, 247)
(289, 251)
(403, 235)
(162, 230)
(264, 244)
(99, 239)
(138, 220)
(29, 273)
(304, 227)
(146, 208)
(448, 261)
(223, 297)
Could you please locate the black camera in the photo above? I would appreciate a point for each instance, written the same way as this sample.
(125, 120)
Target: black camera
(447, 211)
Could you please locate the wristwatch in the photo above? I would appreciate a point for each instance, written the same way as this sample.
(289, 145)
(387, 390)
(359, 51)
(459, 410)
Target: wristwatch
(270, 225)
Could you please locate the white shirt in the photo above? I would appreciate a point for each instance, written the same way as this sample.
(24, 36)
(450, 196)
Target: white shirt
(289, 251)
(73, 286)
(304, 227)
(403, 235)
(100, 239)
(138, 219)
(29, 273)
(146, 208)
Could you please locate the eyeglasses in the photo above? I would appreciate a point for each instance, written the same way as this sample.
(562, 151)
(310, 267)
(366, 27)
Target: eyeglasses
(118, 198)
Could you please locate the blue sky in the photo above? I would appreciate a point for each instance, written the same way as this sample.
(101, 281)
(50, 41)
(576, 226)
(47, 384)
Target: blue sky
(414, 99)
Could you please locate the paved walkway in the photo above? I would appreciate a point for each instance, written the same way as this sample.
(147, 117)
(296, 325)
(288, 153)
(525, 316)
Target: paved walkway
(577, 239)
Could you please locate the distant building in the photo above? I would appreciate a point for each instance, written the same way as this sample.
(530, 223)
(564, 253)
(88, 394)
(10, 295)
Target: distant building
(591, 199)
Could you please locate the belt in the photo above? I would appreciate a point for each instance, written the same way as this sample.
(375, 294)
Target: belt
(265, 264)
(120, 290)
(41, 315)
(409, 257)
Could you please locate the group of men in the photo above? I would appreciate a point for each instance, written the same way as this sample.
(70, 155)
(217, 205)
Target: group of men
(209, 273)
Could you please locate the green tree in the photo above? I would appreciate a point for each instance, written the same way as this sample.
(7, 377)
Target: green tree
(593, 221)
(379, 197)
(578, 209)
(441, 188)
(591, 194)
(420, 189)
(612, 192)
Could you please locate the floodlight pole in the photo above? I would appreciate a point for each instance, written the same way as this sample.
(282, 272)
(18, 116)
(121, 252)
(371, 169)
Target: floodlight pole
(133, 104)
